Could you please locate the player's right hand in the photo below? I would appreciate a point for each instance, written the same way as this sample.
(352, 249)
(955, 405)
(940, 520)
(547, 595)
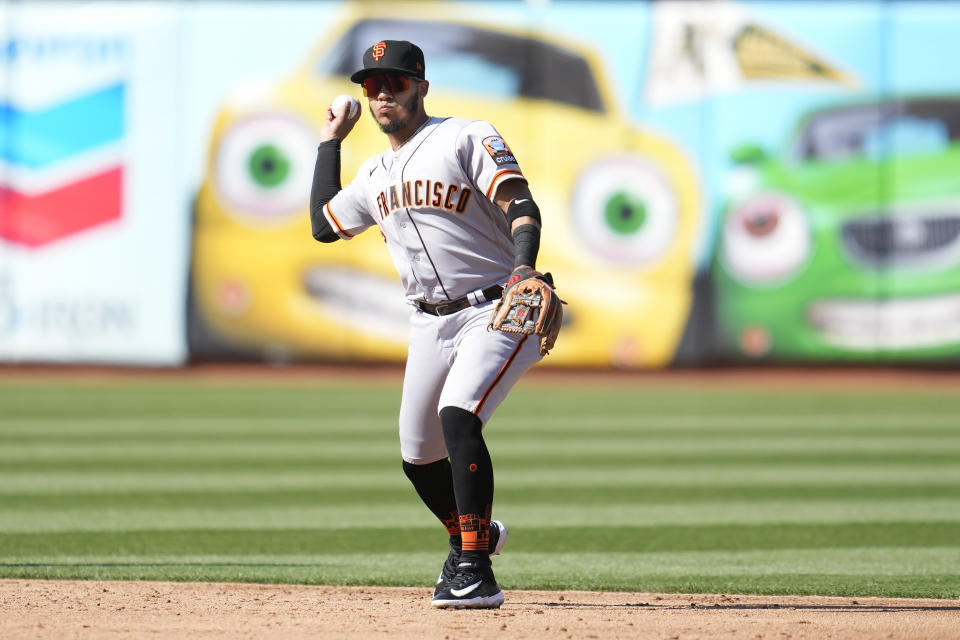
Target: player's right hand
(338, 125)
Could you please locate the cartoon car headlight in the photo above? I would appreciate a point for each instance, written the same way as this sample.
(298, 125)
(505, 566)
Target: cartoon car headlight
(766, 239)
(626, 211)
(264, 166)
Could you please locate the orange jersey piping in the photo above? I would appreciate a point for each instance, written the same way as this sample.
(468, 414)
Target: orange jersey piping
(333, 218)
(503, 370)
(497, 176)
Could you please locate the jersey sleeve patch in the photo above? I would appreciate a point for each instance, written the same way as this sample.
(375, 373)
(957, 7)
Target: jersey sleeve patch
(499, 150)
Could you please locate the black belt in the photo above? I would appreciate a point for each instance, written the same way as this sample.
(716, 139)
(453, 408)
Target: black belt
(469, 300)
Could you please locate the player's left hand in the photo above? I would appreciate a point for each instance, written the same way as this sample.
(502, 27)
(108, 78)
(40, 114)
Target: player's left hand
(520, 274)
(530, 305)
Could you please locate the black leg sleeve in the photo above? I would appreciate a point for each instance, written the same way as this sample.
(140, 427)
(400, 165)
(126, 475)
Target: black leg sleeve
(434, 484)
(472, 472)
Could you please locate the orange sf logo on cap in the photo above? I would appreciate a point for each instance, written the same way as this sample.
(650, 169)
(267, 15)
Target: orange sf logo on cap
(379, 49)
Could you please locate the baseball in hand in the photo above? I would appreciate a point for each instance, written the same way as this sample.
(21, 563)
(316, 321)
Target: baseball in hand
(347, 105)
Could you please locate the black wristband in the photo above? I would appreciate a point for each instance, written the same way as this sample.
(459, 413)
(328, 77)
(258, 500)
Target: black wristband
(522, 208)
(326, 184)
(526, 245)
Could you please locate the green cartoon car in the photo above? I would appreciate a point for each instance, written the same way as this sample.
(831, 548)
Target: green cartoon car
(847, 246)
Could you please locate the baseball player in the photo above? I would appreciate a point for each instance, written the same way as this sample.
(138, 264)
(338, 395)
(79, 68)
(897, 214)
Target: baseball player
(462, 228)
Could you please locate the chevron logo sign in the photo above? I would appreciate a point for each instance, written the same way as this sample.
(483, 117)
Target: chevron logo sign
(61, 166)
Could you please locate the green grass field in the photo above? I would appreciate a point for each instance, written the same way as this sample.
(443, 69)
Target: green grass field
(667, 490)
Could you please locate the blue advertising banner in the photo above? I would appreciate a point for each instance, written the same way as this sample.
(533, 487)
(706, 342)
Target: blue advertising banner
(93, 241)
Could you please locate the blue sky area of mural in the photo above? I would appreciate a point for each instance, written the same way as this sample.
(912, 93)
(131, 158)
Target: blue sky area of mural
(890, 48)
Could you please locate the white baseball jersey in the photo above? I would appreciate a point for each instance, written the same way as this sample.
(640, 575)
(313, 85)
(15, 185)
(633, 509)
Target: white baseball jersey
(431, 200)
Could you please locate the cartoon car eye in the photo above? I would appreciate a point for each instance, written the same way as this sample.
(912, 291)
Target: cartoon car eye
(625, 210)
(264, 167)
(766, 239)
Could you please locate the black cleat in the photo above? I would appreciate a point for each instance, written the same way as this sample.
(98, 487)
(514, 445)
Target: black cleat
(474, 587)
(448, 572)
(498, 538)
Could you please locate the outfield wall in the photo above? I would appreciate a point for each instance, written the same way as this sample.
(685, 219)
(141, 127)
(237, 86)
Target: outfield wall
(720, 181)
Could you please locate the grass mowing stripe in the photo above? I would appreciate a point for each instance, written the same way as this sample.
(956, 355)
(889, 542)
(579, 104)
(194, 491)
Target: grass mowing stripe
(643, 478)
(585, 445)
(506, 462)
(399, 492)
(406, 570)
(525, 514)
(33, 399)
(544, 422)
(883, 561)
(610, 540)
(866, 561)
(74, 402)
(501, 436)
(886, 571)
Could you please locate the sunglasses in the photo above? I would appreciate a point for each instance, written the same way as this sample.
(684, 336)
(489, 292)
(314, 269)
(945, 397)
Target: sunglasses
(394, 82)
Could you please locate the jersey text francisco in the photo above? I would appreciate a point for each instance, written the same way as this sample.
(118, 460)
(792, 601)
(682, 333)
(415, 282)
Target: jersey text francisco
(430, 194)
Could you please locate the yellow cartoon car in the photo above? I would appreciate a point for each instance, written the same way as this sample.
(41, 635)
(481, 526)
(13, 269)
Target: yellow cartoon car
(621, 206)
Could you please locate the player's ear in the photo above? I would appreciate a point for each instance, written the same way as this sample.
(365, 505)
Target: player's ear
(423, 87)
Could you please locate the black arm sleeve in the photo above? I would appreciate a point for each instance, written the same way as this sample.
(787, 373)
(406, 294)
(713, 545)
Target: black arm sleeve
(526, 238)
(526, 245)
(326, 184)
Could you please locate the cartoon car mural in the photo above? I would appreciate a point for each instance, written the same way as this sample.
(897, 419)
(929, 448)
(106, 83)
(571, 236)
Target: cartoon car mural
(621, 205)
(847, 247)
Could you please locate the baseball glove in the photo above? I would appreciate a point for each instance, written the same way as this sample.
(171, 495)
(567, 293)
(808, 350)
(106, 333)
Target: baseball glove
(530, 306)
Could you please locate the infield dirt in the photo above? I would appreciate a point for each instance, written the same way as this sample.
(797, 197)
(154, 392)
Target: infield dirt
(165, 610)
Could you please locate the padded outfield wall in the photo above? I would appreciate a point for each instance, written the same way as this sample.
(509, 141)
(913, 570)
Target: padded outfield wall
(720, 181)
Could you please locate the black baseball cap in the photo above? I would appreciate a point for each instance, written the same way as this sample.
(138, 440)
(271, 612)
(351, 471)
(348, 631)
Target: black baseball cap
(391, 55)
